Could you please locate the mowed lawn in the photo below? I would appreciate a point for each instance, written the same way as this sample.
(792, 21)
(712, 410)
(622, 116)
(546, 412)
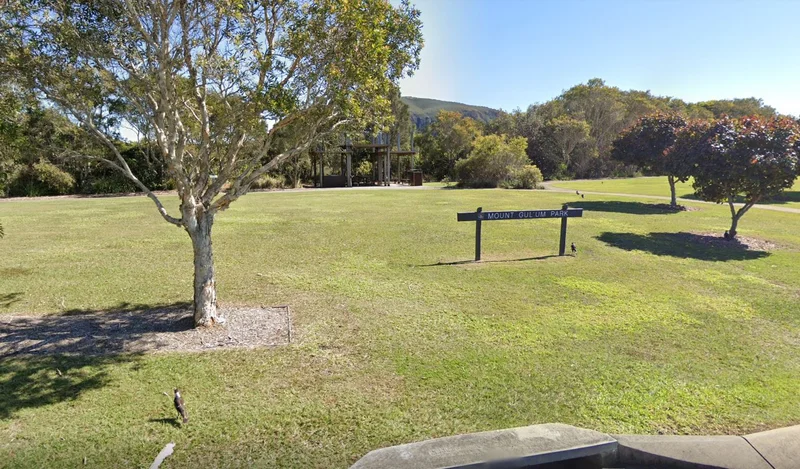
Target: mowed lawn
(660, 187)
(641, 332)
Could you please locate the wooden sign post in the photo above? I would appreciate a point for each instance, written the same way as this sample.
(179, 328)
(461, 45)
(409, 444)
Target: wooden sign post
(479, 216)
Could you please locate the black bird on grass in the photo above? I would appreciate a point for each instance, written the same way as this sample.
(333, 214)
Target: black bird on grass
(180, 406)
(583, 196)
(577, 193)
(574, 249)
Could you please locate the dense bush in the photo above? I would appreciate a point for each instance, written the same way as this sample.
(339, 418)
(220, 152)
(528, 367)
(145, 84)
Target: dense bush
(527, 177)
(145, 162)
(40, 179)
(494, 160)
(268, 181)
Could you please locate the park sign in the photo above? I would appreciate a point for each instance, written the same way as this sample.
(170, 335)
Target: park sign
(519, 214)
(479, 216)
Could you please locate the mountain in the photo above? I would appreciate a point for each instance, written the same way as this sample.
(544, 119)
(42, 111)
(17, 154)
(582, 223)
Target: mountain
(423, 110)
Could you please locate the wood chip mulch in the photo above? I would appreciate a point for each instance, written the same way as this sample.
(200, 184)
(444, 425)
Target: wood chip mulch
(741, 242)
(675, 209)
(142, 330)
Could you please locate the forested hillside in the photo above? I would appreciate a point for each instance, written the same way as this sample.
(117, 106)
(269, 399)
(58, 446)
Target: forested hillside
(569, 136)
(423, 110)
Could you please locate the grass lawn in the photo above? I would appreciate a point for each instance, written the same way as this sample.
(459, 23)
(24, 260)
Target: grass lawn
(641, 332)
(659, 186)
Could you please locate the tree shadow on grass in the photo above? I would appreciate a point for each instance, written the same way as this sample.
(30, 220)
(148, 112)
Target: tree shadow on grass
(785, 197)
(35, 381)
(8, 299)
(682, 245)
(782, 198)
(86, 332)
(50, 359)
(633, 208)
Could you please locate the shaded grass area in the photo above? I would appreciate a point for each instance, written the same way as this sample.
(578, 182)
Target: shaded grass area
(682, 245)
(633, 208)
(83, 332)
(399, 339)
(659, 186)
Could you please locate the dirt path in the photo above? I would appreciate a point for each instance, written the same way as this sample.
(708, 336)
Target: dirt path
(549, 187)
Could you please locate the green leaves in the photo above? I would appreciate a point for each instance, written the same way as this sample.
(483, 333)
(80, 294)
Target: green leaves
(213, 82)
(494, 159)
(448, 139)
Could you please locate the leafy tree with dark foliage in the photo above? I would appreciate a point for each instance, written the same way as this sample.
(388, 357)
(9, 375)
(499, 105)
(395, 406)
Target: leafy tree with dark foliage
(648, 144)
(752, 157)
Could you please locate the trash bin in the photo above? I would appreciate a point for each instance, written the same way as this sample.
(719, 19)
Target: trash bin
(416, 177)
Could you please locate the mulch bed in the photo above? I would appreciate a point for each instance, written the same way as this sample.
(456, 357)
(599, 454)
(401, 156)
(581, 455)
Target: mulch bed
(164, 329)
(716, 240)
(676, 208)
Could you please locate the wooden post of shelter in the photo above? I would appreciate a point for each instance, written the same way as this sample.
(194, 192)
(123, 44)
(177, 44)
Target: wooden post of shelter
(349, 156)
(321, 167)
(388, 160)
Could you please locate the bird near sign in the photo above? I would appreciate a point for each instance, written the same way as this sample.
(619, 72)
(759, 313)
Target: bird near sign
(574, 249)
(180, 406)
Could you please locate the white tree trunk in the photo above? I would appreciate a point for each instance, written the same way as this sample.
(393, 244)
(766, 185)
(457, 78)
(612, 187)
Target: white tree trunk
(205, 286)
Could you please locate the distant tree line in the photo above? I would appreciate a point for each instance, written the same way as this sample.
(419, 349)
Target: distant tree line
(571, 136)
(42, 152)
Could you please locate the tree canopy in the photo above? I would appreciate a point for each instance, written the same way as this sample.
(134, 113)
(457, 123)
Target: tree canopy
(211, 83)
(448, 139)
(752, 157)
(648, 145)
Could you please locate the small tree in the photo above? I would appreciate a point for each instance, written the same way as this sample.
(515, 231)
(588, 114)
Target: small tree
(752, 157)
(212, 82)
(648, 144)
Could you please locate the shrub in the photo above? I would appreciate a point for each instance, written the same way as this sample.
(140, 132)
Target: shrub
(527, 177)
(40, 179)
(111, 184)
(493, 161)
(269, 182)
(364, 169)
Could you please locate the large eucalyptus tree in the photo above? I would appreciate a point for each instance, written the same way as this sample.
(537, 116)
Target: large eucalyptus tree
(212, 82)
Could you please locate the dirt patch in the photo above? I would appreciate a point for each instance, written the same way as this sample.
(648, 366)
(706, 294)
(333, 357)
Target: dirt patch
(675, 208)
(163, 329)
(741, 242)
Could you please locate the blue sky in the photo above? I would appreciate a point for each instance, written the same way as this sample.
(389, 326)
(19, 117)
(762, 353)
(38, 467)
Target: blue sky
(512, 53)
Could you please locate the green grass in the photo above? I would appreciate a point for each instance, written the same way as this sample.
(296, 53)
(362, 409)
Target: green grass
(640, 332)
(659, 186)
